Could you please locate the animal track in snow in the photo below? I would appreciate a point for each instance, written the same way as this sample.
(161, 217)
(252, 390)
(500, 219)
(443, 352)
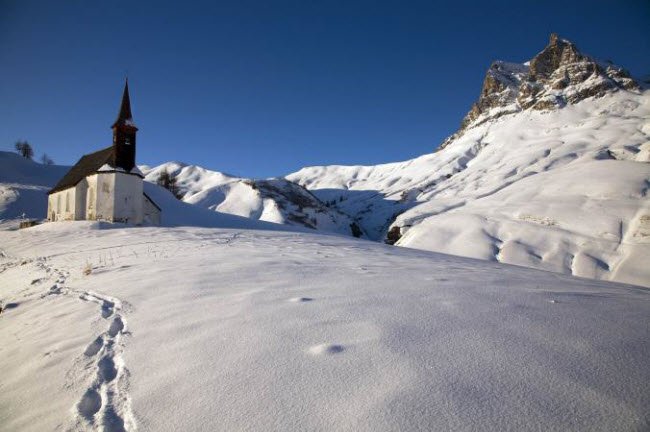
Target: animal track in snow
(327, 349)
(300, 299)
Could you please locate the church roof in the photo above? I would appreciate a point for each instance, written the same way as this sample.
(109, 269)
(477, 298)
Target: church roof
(124, 117)
(87, 165)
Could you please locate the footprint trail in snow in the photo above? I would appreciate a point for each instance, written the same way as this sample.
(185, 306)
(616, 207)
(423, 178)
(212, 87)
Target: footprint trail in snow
(105, 404)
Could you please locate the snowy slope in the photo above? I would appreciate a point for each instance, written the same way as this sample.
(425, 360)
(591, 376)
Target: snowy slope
(217, 329)
(23, 184)
(560, 186)
(274, 200)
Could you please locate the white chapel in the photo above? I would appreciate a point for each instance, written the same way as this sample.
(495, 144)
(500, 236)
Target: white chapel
(106, 185)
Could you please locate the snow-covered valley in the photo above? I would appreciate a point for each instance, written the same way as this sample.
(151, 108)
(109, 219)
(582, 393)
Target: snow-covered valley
(116, 328)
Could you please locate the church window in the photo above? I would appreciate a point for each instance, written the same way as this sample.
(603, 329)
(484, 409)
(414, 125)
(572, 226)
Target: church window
(127, 141)
(67, 201)
(58, 203)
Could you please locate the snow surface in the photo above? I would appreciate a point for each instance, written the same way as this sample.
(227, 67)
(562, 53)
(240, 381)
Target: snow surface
(109, 328)
(563, 190)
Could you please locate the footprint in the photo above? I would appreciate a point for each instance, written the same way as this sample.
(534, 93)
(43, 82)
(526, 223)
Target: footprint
(112, 421)
(326, 349)
(107, 370)
(116, 327)
(107, 308)
(90, 404)
(94, 347)
(300, 299)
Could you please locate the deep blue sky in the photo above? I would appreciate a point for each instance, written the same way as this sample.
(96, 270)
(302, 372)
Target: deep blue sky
(264, 88)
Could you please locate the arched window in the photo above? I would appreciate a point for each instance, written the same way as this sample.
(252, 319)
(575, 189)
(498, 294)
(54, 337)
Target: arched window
(58, 203)
(67, 201)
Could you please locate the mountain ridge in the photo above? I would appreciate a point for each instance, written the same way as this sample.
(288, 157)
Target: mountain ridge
(540, 124)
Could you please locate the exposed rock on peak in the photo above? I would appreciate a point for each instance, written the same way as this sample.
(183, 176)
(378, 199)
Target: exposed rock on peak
(499, 92)
(560, 74)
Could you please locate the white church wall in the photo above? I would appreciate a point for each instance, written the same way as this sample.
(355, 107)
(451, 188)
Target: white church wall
(91, 197)
(61, 205)
(105, 201)
(128, 198)
(80, 192)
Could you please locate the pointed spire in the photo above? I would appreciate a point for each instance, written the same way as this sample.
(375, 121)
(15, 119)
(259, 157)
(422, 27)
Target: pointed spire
(125, 118)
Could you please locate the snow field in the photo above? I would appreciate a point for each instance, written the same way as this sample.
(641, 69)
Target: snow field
(233, 329)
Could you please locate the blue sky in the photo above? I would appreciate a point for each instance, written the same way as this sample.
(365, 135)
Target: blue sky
(264, 88)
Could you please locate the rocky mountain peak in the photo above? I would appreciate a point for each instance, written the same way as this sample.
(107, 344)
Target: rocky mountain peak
(560, 74)
(558, 52)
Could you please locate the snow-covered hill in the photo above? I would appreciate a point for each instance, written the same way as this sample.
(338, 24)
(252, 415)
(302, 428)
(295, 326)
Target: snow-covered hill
(274, 200)
(549, 170)
(24, 184)
(107, 328)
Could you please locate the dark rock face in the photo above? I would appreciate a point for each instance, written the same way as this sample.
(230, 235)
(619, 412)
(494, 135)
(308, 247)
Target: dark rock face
(500, 89)
(393, 235)
(557, 76)
(356, 231)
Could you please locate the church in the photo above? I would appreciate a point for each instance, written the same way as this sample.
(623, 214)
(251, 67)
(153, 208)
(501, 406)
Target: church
(106, 185)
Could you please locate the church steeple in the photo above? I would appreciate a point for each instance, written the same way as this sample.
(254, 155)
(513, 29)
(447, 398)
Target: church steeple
(125, 117)
(124, 131)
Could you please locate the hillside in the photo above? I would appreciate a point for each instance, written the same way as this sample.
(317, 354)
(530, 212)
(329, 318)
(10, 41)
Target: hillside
(549, 170)
(114, 328)
(23, 185)
(273, 200)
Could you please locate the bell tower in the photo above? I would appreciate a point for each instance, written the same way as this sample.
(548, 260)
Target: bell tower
(124, 131)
